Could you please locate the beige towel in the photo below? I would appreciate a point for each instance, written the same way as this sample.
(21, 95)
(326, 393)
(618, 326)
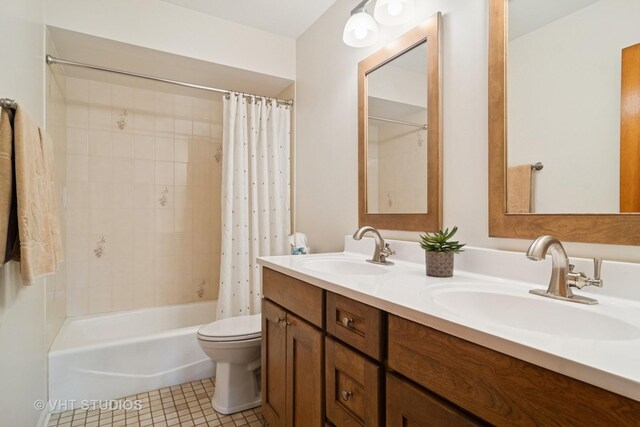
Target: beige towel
(519, 189)
(38, 222)
(6, 183)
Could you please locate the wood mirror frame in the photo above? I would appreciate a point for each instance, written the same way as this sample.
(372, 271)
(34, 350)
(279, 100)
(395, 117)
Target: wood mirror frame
(623, 229)
(428, 31)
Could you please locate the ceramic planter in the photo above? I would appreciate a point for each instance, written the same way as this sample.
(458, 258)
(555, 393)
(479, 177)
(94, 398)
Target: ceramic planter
(439, 264)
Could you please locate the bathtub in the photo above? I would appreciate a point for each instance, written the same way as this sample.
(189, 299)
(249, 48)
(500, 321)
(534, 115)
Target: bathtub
(113, 355)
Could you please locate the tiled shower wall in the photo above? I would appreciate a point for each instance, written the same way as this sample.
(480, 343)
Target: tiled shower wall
(56, 128)
(143, 197)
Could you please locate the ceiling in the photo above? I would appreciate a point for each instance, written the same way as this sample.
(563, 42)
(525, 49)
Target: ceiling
(288, 18)
(526, 16)
(108, 53)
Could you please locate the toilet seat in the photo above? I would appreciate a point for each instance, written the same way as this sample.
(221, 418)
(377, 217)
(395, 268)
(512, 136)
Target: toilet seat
(232, 329)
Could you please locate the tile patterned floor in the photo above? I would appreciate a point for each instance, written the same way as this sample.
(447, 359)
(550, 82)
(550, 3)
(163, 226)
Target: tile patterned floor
(187, 404)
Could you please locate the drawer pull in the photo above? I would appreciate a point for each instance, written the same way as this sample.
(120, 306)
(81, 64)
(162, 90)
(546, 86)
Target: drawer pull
(347, 322)
(281, 322)
(346, 395)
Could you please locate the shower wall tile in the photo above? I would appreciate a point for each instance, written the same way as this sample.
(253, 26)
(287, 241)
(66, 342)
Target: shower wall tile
(121, 98)
(77, 302)
(77, 194)
(143, 227)
(78, 141)
(122, 145)
(56, 127)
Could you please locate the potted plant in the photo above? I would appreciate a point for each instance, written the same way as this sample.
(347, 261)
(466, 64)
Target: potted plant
(439, 251)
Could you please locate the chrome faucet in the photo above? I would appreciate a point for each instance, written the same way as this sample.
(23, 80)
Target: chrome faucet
(563, 278)
(382, 249)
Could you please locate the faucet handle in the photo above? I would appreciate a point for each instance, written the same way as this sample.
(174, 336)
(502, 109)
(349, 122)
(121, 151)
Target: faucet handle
(597, 268)
(388, 251)
(571, 267)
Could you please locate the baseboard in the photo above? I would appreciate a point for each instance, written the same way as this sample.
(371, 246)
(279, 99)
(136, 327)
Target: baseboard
(45, 415)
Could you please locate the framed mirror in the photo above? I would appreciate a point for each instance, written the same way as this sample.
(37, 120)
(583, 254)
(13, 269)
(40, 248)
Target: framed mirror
(399, 133)
(564, 120)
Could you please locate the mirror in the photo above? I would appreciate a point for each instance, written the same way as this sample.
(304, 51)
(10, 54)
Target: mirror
(565, 82)
(397, 134)
(564, 120)
(400, 133)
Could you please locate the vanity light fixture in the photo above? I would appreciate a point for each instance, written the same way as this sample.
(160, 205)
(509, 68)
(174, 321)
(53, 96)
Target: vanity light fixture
(394, 12)
(361, 30)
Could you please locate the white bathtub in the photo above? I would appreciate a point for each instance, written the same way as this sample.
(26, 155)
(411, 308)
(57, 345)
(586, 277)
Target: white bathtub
(113, 355)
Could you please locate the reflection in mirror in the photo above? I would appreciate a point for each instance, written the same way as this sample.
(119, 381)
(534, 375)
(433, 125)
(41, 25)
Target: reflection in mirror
(573, 88)
(400, 132)
(397, 134)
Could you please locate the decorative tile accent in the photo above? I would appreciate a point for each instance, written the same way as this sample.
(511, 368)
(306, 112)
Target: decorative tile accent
(164, 197)
(98, 251)
(187, 404)
(200, 291)
(218, 155)
(122, 122)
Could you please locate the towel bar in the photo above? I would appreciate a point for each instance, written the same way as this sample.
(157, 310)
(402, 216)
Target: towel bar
(537, 166)
(8, 103)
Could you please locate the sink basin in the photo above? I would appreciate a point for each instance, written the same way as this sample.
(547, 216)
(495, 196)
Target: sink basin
(341, 266)
(506, 307)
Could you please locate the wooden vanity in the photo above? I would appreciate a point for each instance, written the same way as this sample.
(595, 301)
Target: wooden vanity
(330, 360)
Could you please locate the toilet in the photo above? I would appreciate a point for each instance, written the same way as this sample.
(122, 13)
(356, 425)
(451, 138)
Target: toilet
(234, 344)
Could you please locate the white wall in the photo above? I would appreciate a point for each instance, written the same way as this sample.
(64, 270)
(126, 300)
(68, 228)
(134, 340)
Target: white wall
(22, 308)
(169, 28)
(327, 132)
(564, 106)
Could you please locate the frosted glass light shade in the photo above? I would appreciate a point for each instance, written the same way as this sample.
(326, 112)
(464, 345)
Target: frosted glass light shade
(360, 30)
(394, 12)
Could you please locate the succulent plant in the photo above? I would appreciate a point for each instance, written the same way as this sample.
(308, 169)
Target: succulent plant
(440, 241)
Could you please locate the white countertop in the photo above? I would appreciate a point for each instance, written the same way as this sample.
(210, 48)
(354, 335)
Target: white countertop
(607, 362)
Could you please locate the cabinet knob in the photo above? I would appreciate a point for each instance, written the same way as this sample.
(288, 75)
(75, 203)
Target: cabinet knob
(346, 395)
(347, 322)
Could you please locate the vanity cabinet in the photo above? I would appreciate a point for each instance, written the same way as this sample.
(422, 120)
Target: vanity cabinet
(498, 388)
(353, 385)
(292, 352)
(324, 353)
(407, 405)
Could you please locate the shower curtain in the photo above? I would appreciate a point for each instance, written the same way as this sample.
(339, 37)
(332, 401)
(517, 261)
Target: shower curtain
(255, 197)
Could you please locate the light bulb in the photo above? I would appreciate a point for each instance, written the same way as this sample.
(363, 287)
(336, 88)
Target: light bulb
(394, 9)
(360, 30)
(360, 33)
(394, 12)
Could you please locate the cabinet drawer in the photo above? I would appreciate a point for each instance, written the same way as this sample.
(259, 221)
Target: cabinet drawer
(407, 405)
(352, 387)
(498, 388)
(357, 324)
(301, 298)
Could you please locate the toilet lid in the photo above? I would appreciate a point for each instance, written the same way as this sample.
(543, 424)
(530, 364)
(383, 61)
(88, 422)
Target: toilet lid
(232, 329)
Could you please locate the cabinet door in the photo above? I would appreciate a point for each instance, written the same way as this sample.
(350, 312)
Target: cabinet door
(274, 343)
(353, 387)
(305, 362)
(408, 406)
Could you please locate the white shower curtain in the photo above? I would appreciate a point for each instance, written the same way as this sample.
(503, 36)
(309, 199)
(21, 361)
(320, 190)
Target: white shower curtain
(255, 197)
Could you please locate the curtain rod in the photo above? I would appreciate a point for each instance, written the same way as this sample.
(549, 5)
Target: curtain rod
(400, 122)
(52, 60)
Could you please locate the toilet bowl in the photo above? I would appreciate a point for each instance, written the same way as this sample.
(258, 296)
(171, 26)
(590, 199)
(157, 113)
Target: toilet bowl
(234, 344)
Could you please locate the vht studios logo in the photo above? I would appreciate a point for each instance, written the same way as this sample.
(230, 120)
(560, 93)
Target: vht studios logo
(87, 405)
